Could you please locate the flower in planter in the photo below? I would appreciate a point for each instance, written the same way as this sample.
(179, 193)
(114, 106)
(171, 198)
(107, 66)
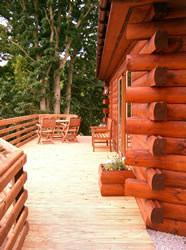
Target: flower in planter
(116, 163)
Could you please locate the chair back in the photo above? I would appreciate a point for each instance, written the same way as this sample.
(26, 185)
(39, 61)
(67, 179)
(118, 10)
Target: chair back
(48, 122)
(75, 124)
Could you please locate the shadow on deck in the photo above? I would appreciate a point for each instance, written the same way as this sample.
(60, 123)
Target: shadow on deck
(66, 210)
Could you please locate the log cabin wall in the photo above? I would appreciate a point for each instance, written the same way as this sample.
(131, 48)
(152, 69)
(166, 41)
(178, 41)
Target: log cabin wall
(158, 123)
(114, 112)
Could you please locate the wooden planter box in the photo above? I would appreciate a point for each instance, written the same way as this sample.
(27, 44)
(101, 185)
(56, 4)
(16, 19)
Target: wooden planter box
(112, 183)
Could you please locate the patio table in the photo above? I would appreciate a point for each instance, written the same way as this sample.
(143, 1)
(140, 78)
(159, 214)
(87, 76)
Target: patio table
(62, 127)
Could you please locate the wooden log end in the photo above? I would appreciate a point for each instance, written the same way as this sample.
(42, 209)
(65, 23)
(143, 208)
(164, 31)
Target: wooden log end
(157, 215)
(160, 77)
(158, 182)
(158, 111)
(161, 40)
(157, 145)
(155, 179)
(160, 10)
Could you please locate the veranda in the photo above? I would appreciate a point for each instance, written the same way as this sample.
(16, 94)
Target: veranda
(65, 208)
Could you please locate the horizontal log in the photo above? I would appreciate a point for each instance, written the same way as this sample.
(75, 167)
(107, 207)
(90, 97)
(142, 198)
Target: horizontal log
(153, 210)
(171, 178)
(159, 111)
(176, 146)
(17, 229)
(148, 95)
(170, 226)
(168, 128)
(140, 189)
(149, 62)
(12, 217)
(145, 159)
(174, 179)
(154, 177)
(140, 31)
(174, 13)
(12, 194)
(176, 112)
(156, 145)
(157, 77)
(172, 78)
(174, 211)
(156, 111)
(176, 78)
(158, 42)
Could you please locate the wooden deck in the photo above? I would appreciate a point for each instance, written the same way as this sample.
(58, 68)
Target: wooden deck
(66, 210)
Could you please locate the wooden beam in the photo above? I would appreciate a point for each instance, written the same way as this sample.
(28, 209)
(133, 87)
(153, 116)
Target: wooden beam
(176, 112)
(148, 95)
(157, 77)
(158, 42)
(156, 111)
(176, 78)
(174, 211)
(140, 189)
(154, 177)
(170, 226)
(149, 62)
(171, 178)
(145, 159)
(154, 211)
(146, 127)
(176, 146)
(141, 31)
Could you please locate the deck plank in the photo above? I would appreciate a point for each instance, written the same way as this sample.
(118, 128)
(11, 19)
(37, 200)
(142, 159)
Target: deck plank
(66, 210)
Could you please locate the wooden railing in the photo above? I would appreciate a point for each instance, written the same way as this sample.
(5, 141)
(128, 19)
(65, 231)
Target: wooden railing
(19, 130)
(13, 213)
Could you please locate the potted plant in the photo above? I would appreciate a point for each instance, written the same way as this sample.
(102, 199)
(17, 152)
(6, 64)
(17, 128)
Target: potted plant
(112, 176)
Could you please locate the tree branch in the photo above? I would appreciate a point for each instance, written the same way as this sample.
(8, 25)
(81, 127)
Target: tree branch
(19, 47)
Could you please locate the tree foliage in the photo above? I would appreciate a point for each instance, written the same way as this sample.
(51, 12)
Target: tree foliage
(38, 40)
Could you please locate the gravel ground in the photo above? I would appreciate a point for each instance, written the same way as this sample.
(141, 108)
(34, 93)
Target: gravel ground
(166, 241)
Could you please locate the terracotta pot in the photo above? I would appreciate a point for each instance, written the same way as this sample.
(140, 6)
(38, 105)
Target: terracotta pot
(112, 183)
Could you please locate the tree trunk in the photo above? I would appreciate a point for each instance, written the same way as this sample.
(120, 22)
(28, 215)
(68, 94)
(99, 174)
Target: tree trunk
(69, 85)
(57, 94)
